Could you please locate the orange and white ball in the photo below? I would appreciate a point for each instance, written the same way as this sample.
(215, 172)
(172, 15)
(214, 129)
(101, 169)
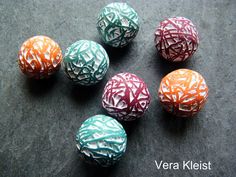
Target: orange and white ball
(39, 57)
(183, 92)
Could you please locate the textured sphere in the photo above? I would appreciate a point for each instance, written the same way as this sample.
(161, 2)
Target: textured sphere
(39, 57)
(183, 92)
(101, 140)
(176, 39)
(86, 62)
(118, 24)
(126, 97)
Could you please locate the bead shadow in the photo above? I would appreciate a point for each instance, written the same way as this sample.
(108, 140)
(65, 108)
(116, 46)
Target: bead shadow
(176, 126)
(116, 55)
(81, 94)
(95, 170)
(41, 87)
(131, 126)
(77, 166)
(164, 66)
(90, 170)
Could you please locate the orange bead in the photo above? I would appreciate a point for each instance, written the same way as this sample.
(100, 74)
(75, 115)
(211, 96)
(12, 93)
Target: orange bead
(39, 57)
(183, 92)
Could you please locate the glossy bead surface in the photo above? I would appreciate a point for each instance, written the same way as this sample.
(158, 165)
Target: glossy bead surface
(39, 57)
(126, 97)
(101, 140)
(86, 62)
(176, 39)
(118, 24)
(183, 92)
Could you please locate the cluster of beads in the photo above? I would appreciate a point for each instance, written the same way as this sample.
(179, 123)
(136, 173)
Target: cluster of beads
(102, 139)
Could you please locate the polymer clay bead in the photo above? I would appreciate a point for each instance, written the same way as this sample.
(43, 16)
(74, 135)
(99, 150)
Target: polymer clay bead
(86, 62)
(101, 140)
(126, 97)
(183, 92)
(118, 24)
(39, 57)
(176, 39)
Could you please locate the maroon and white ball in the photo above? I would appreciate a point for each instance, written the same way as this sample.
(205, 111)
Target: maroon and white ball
(126, 97)
(176, 39)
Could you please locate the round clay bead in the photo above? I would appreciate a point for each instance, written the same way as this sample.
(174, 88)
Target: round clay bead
(118, 24)
(39, 57)
(176, 39)
(86, 62)
(101, 140)
(183, 92)
(126, 97)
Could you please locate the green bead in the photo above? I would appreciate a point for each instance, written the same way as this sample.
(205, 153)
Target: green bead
(101, 140)
(86, 62)
(118, 24)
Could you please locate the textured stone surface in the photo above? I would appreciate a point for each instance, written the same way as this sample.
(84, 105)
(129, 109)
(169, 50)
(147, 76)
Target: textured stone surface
(39, 119)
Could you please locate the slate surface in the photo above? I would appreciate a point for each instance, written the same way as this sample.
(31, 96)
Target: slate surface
(39, 118)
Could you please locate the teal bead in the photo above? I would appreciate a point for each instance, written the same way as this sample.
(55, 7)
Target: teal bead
(101, 140)
(86, 62)
(118, 24)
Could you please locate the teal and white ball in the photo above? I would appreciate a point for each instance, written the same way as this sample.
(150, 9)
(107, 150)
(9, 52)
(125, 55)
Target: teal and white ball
(101, 140)
(86, 62)
(118, 24)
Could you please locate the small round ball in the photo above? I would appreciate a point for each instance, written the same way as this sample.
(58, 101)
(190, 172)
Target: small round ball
(183, 92)
(176, 39)
(101, 140)
(86, 62)
(126, 97)
(118, 24)
(39, 57)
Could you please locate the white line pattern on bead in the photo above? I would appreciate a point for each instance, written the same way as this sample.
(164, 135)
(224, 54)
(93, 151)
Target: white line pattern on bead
(126, 97)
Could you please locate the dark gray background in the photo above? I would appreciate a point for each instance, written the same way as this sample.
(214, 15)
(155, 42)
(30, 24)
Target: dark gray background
(39, 118)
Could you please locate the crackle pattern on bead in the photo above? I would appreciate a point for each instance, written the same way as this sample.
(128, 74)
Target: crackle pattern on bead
(126, 97)
(176, 39)
(101, 140)
(86, 62)
(183, 92)
(39, 57)
(118, 24)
